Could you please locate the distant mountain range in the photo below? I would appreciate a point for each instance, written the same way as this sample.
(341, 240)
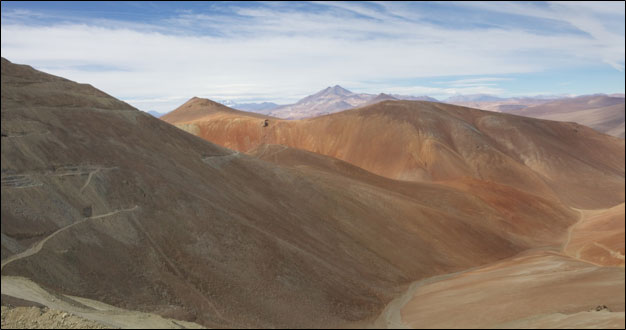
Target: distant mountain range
(257, 222)
(329, 100)
(155, 114)
(602, 112)
(336, 98)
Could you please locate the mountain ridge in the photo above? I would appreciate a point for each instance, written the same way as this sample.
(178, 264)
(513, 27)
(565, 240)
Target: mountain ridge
(333, 99)
(103, 201)
(454, 142)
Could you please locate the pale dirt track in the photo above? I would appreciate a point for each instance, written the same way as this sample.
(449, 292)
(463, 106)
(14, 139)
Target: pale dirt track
(99, 312)
(88, 180)
(37, 247)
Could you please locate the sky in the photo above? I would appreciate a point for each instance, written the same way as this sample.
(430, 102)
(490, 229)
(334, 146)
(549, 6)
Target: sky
(157, 55)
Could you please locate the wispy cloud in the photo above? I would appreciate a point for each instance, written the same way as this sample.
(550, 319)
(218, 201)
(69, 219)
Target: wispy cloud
(603, 21)
(281, 52)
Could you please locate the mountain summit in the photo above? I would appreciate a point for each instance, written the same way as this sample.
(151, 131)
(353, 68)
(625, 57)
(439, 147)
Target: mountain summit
(337, 90)
(328, 100)
(334, 99)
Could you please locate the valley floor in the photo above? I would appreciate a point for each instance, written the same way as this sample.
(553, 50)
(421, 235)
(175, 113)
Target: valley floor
(539, 288)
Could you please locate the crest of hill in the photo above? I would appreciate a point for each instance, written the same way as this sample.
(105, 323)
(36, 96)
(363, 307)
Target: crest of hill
(197, 108)
(426, 141)
(55, 91)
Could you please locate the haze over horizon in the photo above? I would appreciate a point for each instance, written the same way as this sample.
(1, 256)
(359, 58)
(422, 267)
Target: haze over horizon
(155, 57)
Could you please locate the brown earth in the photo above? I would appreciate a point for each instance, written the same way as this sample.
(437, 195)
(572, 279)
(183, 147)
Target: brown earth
(106, 203)
(430, 142)
(138, 214)
(539, 288)
(533, 290)
(512, 213)
(598, 237)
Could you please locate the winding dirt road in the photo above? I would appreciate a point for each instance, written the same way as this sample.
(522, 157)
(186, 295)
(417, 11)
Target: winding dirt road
(37, 247)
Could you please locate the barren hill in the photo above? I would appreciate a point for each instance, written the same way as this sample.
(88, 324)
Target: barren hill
(549, 286)
(114, 215)
(425, 142)
(104, 202)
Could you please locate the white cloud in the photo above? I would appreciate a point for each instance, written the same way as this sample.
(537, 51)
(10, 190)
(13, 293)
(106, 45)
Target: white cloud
(280, 55)
(602, 20)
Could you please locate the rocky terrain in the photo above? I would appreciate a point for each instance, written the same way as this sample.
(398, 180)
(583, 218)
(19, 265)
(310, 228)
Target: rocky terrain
(122, 219)
(43, 318)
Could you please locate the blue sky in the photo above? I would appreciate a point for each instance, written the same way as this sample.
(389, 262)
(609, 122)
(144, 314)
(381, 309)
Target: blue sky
(156, 55)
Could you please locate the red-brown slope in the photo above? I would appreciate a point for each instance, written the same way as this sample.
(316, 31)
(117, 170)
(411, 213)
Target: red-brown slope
(424, 141)
(519, 216)
(537, 287)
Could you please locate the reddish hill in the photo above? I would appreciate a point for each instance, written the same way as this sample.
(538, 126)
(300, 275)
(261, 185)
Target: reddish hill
(423, 142)
(198, 108)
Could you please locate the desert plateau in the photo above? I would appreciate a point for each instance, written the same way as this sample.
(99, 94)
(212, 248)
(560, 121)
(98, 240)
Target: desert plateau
(170, 165)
